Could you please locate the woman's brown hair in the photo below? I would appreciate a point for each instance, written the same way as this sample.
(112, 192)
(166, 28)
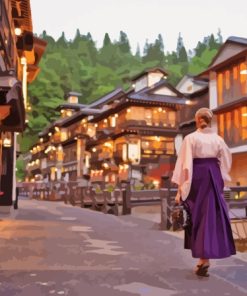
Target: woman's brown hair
(204, 116)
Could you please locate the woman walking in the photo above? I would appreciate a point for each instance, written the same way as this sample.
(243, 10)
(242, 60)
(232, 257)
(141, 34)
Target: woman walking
(202, 166)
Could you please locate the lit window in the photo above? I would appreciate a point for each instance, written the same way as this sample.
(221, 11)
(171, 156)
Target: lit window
(189, 88)
(244, 123)
(124, 152)
(220, 88)
(221, 124)
(243, 78)
(113, 121)
(235, 72)
(134, 152)
(227, 79)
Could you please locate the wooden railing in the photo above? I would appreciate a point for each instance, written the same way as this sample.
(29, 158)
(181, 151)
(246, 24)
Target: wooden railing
(122, 199)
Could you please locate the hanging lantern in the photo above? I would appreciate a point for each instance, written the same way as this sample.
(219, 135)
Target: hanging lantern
(7, 141)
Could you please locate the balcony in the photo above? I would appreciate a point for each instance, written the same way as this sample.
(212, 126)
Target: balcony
(145, 125)
(104, 132)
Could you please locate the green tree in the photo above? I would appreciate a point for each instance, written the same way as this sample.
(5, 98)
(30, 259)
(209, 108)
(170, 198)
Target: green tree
(123, 43)
(154, 51)
(62, 42)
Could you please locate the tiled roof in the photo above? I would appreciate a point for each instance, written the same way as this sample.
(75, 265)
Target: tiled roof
(107, 98)
(237, 39)
(145, 72)
(158, 98)
(71, 106)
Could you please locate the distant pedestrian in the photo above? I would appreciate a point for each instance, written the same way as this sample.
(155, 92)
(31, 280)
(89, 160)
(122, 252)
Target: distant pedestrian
(203, 163)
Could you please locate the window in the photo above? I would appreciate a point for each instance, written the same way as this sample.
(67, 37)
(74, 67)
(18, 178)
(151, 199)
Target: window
(64, 135)
(220, 88)
(190, 88)
(124, 152)
(172, 118)
(231, 84)
(235, 72)
(221, 125)
(244, 122)
(233, 126)
(113, 121)
(134, 152)
(243, 78)
(227, 79)
(148, 116)
(228, 126)
(236, 125)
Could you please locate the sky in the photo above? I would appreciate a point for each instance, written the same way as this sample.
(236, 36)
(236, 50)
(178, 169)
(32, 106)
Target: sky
(141, 19)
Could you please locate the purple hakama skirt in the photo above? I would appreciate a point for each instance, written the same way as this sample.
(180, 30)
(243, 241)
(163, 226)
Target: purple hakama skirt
(210, 235)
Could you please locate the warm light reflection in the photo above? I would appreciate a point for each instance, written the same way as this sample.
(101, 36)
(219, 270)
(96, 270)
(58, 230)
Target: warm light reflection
(18, 31)
(243, 72)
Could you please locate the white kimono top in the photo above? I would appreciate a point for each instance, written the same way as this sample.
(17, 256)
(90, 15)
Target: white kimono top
(203, 143)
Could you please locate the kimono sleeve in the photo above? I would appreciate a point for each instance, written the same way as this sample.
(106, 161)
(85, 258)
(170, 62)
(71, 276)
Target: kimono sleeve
(225, 159)
(183, 168)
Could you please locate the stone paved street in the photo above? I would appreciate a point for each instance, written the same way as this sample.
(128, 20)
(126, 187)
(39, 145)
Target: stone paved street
(49, 248)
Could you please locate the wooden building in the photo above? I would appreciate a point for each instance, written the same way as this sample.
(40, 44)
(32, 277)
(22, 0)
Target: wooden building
(121, 136)
(227, 76)
(19, 57)
(196, 91)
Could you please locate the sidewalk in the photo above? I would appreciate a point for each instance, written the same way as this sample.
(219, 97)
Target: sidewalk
(153, 214)
(49, 248)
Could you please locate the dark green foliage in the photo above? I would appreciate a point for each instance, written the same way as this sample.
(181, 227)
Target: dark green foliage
(154, 52)
(78, 65)
(123, 43)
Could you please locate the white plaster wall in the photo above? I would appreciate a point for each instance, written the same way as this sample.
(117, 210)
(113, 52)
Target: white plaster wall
(164, 91)
(141, 83)
(184, 86)
(154, 78)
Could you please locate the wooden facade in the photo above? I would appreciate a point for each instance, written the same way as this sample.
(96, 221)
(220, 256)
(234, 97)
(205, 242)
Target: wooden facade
(196, 91)
(227, 76)
(19, 57)
(121, 136)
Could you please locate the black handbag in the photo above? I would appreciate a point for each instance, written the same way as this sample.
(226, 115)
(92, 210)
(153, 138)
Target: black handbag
(187, 226)
(177, 218)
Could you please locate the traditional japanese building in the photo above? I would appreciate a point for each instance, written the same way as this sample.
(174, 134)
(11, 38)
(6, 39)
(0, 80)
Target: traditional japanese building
(227, 76)
(123, 135)
(196, 90)
(19, 57)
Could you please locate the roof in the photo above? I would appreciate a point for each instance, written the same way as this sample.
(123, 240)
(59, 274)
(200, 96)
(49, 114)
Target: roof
(165, 83)
(231, 39)
(71, 106)
(196, 80)
(47, 129)
(78, 116)
(113, 95)
(187, 123)
(236, 39)
(199, 92)
(231, 105)
(151, 70)
(74, 93)
(158, 99)
(146, 94)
